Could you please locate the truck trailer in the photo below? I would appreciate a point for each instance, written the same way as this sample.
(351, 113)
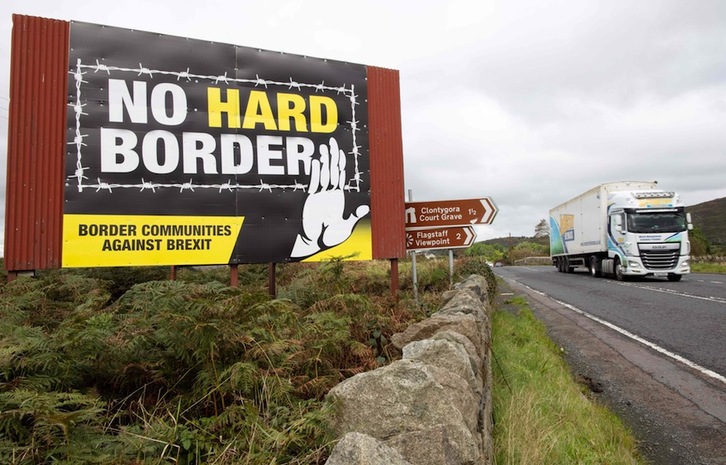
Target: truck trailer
(622, 229)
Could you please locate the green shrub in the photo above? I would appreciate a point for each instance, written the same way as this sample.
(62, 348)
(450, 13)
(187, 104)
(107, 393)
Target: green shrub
(62, 427)
(470, 265)
(121, 279)
(46, 301)
(122, 366)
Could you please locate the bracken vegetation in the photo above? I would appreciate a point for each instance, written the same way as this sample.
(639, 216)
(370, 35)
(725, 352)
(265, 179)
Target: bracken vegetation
(123, 366)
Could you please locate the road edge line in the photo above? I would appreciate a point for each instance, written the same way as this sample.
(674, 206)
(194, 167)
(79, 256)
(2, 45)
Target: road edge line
(628, 334)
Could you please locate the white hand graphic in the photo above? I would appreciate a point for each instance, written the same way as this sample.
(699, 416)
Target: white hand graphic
(323, 223)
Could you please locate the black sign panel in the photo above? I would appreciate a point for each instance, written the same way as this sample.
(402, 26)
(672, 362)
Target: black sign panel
(183, 151)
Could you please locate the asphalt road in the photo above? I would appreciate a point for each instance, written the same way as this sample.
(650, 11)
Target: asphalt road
(654, 351)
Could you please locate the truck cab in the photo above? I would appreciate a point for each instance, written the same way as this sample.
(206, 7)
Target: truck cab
(647, 235)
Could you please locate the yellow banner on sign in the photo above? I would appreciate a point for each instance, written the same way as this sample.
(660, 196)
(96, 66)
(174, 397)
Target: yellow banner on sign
(138, 240)
(357, 247)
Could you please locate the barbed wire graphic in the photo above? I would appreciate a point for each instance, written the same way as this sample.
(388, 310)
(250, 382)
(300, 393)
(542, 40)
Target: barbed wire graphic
(80, 178)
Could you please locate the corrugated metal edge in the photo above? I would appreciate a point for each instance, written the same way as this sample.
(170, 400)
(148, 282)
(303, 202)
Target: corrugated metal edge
(386, 163)
(36, 138)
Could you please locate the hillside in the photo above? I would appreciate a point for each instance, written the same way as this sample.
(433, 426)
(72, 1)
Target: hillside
(512, 241)
(710, 217)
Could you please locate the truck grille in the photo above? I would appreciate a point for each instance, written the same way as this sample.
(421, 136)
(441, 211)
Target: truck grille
(659, 259)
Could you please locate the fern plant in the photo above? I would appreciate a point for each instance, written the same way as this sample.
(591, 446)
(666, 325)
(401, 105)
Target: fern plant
(145, 370)
(38, 427)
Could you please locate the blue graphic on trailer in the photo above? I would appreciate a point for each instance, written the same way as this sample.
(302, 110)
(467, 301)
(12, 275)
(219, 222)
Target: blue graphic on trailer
(558, 239)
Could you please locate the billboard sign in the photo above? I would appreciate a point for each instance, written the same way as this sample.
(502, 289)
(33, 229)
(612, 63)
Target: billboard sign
(184, 151)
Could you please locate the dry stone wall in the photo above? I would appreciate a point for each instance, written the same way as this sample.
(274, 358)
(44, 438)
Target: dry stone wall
(432, 407)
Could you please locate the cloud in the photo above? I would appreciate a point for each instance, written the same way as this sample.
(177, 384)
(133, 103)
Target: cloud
(563, 96)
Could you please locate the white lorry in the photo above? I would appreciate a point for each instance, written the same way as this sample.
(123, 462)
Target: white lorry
(622, 229)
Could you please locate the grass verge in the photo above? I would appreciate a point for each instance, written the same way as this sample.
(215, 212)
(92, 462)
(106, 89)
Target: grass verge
(708, 267)
(541, 415)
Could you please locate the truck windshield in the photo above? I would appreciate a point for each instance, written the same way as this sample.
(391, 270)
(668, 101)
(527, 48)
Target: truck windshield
(656, 222)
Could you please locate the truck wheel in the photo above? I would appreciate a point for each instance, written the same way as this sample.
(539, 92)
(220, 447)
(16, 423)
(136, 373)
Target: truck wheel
(595, 270)
(619, 271)
(674, 277)
(569, 268)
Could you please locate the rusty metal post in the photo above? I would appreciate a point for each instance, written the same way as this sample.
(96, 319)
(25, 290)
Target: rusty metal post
(172, 273)
(271, 280)
(233, 276)
(394, 278)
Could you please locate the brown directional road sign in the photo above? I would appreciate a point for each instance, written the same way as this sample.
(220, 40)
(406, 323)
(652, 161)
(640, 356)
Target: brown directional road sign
(454, 237)
(450, 213)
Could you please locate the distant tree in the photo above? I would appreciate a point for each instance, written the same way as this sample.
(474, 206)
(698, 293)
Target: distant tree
(527, 249)
(542, 229)
(699, 242)
(491, 252)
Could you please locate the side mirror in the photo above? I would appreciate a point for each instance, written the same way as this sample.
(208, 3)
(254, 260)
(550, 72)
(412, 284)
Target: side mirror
(690, 227)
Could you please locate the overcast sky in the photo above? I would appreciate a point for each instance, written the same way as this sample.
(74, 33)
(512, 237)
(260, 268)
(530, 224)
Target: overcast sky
(527, 102)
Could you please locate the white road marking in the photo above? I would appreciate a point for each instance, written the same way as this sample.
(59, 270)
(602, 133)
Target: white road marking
(626, 333)
(719, 300)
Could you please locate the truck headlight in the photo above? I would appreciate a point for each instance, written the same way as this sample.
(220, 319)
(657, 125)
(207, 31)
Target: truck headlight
(633, 264)
(629, 249)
